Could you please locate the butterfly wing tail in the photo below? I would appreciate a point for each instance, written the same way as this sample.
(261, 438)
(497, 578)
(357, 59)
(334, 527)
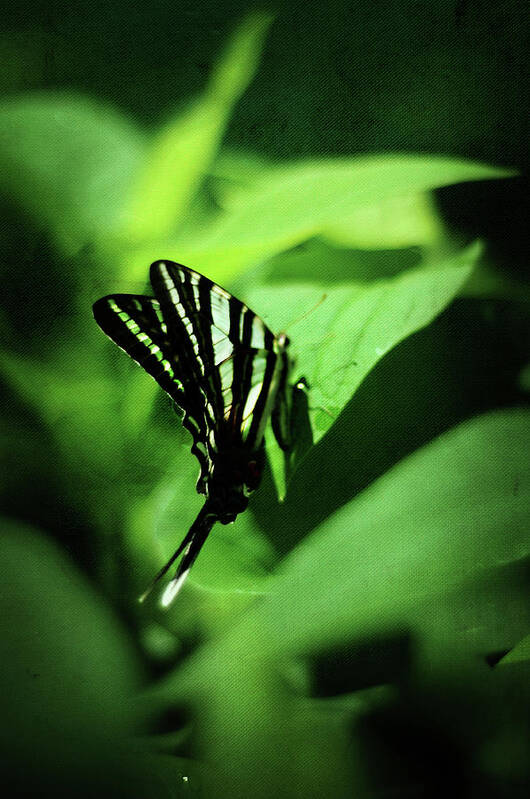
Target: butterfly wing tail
(199, 533)
(190, 546)
(167, 566)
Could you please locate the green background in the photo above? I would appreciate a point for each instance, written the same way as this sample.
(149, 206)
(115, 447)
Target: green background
(368, 636)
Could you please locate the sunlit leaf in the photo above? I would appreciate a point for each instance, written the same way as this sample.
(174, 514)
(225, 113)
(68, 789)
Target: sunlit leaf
(396, 221)
(449, 512)
(341, 340)
(220, 263)
(181, 152)
(291, 204)
(401, 221)
(454, 508)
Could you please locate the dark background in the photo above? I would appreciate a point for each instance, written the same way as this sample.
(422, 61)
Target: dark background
(440, 77)
(445, 77)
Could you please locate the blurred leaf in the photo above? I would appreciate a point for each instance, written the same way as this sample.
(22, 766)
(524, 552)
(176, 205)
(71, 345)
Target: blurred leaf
(21, 65)
(69, 670)
(524, 379)
(482, 617)
(489, 281)
(77, 401)
(317, 258)
(181, 152)
(67, 161)
(264, 739)
(520, 653)
(146, 513)
(233, 173)
(291, 204)
(70, 674)
(221, 262)
(341, 340)
(396, 221)
(400, 221)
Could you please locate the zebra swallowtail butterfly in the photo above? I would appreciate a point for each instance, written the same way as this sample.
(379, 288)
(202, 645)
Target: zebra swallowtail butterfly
(225, 370)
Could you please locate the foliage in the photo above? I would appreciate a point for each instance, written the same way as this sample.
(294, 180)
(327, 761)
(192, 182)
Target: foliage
(319, 626)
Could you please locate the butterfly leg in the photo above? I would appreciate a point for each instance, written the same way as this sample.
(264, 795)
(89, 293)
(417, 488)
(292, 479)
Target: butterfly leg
(290, 421)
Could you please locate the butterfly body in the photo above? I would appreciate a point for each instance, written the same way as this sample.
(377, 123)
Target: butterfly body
(226, 371)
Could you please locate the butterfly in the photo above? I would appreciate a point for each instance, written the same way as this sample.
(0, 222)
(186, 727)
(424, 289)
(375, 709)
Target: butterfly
(225, 370)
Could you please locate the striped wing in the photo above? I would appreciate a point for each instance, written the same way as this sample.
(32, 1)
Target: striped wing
(135, 324)
(235, 358)
(213, 355)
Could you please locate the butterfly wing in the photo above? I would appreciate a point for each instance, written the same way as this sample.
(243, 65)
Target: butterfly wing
(135, 323)
(217, 360)
(211, 353)
(236, 360)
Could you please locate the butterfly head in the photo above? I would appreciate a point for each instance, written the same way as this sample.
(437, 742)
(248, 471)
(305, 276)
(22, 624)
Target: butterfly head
(232, 480)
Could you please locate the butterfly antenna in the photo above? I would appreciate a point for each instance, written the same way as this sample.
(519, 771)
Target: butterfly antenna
(204, 521)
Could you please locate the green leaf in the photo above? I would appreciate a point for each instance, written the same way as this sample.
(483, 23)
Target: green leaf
(182, 151)
(455, 508)
(447, 514)
(234, 173)
(69, 670)
(341, 340)
(70, 676)
(76, 399)
(397, 221)
(401, 221)
(67, 161)
(220, 262)
(492, 282)
(272, 749)
(291, 204)
(519, 654)
(299, 200)
(305, 264)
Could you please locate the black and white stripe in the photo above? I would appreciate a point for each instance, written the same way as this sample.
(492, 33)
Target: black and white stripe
(217, 360)
(234, 357)
(135, 324)
(213, 355)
